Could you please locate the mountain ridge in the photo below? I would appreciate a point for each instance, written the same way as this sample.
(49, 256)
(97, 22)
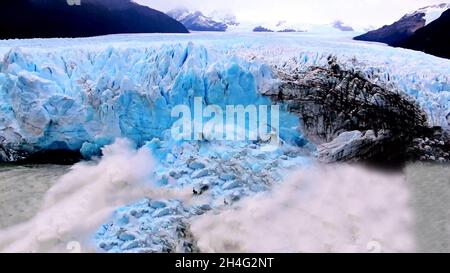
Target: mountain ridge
(424, 30)
(405, 27)
(58, 19)
(196, 21)
(433, 38)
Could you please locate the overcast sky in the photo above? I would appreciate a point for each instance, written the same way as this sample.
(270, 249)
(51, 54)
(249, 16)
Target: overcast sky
(353, 12)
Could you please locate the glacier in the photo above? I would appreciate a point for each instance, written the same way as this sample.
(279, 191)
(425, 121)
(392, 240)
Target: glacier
(80, 100)
(83, 94)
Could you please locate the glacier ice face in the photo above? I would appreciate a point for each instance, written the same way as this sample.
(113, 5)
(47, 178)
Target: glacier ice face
(53, 96)
(82, 100)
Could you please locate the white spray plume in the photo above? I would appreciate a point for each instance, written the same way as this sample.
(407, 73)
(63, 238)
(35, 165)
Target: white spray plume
(322, 209)
(82, 200)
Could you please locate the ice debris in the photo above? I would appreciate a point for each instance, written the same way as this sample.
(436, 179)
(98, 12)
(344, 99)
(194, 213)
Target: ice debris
(215, 183)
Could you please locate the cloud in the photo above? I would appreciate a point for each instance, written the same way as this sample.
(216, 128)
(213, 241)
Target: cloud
(358, 13)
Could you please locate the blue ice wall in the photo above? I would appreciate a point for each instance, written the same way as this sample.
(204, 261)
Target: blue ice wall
(84, 100)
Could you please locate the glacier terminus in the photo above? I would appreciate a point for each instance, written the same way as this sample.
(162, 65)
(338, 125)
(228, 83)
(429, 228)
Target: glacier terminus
(96, 100)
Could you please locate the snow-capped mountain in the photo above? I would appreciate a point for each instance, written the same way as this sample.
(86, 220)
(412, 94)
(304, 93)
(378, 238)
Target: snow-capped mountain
(225, 21)
(431, 13)
(433, 38)
(405, 27)
(197, 21)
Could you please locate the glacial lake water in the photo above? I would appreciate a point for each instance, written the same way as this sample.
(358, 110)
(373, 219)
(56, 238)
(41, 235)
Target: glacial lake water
(22, 189)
